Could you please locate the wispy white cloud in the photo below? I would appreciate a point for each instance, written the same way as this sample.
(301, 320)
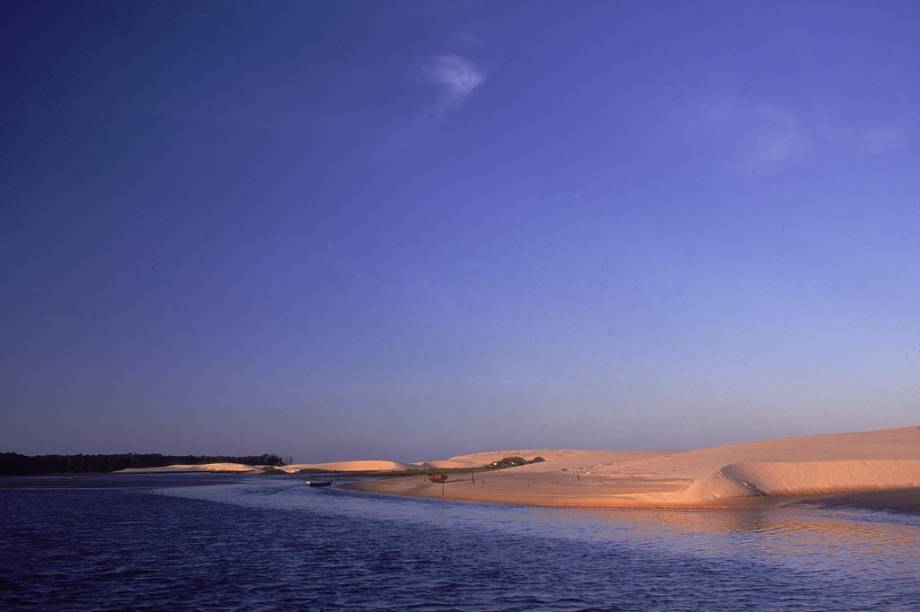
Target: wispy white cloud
(757, 136)
(885, 138)
(455, 78)
(764, 137)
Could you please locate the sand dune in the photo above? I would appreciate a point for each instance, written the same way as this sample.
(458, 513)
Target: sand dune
(718, 476)
(236, 468)
(362, 466)
(239, 468)
(554, 459)
(350, 466)
(774, 478)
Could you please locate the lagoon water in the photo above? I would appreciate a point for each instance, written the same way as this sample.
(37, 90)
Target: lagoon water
(216, 541)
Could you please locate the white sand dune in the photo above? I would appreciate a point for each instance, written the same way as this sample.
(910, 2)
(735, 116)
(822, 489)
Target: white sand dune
(787, 466)
(236, 468)
(806, 478)
(553, 459)
(766, 470)
(350, 466)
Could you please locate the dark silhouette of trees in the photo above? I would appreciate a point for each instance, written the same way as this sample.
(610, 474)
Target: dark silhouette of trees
(16, 464)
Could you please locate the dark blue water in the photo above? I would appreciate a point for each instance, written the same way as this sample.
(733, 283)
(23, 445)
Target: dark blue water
(262, 542)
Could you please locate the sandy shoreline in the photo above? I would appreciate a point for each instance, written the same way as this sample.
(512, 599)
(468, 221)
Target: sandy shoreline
(900, 501)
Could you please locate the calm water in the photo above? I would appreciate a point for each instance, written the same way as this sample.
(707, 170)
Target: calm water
(266, 542)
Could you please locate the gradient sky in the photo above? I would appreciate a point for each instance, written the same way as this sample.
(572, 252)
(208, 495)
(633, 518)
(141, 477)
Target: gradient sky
(409, 230)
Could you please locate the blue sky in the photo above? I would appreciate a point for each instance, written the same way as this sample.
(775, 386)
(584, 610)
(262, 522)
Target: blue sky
(409, 230)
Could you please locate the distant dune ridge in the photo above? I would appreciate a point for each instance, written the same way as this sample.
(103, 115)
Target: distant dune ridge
(239, 468)
(236, 468)
(349, 466)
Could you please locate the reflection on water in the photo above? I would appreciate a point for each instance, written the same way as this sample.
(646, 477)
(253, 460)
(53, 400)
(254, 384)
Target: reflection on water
(794, 535)
(272, 542)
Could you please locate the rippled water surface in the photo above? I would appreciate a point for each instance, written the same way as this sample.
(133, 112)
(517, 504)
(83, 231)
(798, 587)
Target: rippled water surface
(268, 542)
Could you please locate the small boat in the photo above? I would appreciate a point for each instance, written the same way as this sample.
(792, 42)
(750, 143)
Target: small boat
(438, 478)
(318, 483)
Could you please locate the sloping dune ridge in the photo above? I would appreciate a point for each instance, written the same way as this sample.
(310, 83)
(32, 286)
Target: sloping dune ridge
(810, 477)
(349, 466)
(554, 459)
(235, 468)
(718, 476)
(363, 466)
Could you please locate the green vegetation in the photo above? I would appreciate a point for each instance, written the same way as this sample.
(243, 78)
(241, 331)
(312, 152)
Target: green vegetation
(508, 462)
(502, 464)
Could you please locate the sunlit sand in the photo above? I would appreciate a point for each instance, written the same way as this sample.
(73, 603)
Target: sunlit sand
(738, 474)
(348, 466)
(235, 468)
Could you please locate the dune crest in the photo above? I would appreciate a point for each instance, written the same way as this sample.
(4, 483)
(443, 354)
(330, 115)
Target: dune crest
(235, 468)
(350, 466)
(762, 478)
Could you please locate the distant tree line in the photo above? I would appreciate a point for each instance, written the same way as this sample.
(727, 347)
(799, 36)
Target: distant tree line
(16, 464)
